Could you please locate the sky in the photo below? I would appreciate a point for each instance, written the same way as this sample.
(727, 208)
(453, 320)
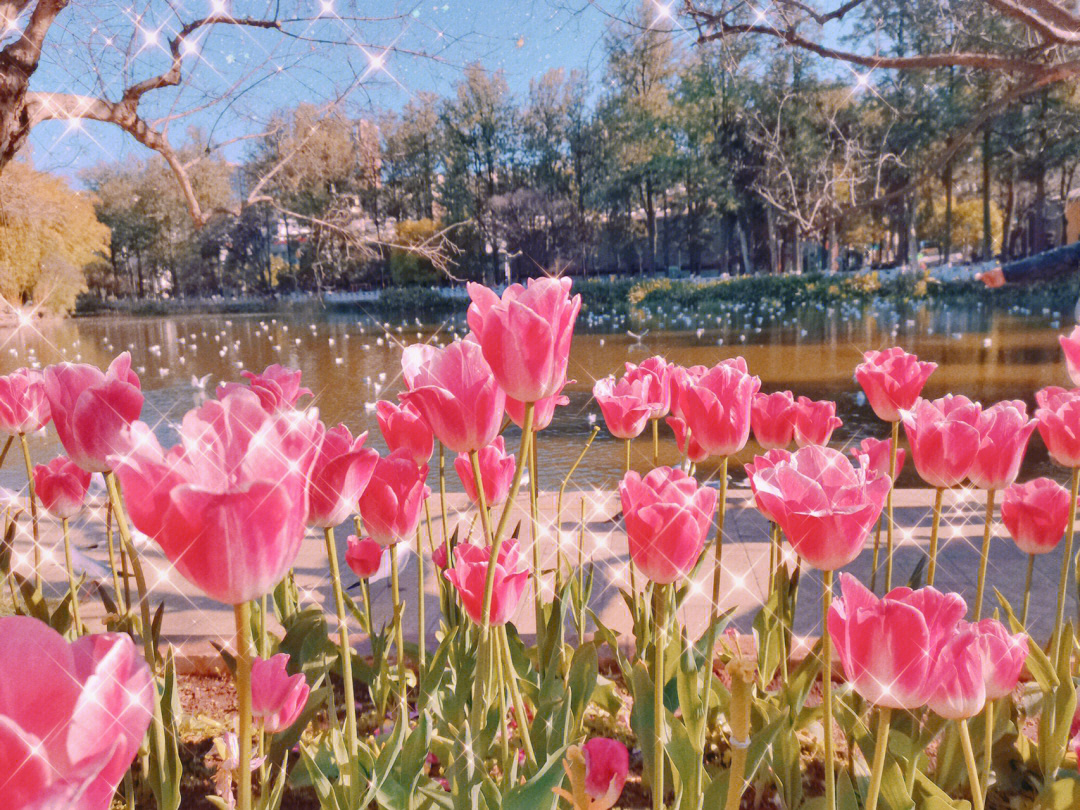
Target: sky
(235, 77)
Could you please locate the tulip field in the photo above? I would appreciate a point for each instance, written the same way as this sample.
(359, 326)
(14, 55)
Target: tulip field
(906, 698)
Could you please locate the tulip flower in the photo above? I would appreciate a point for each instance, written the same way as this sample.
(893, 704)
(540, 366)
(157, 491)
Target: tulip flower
(227, 505)
(339, 475)
(758, 466)
(543, 410)
(439, 557)
(1003, 656)
(815, 421)
(277, 698)
(61, 485)
(1036, 515)
(468, 575)
(716, 406)
(496, 472)
(772, 417)
(888, 646)
(526, 335)
(693, 451)
(1070, 345)
(72, 715)
(1004, 430)
(874, 455)
(24, 404)
(93, 411)
(403, 428)
(278, 388)
(892, 380)
(455, 392)
(627, 405)
(945, 438)
(1058, 416)
(683, 377)
(668, 517)
(607, 763)
(364, 556)
(823, 503)
(391, 504)
(663, 375)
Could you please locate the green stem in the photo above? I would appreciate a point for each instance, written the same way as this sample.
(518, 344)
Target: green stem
(344, 647)
(881, 745)
(33, 508)
(658, 698)
(630, 560)
(399, 638)
(243, 701)
(1066, 559)
(988, 524)
(421, 623)
(534, 528)
(519, 703)
(826, 684)
(655, 442)
(110, 542)
(774, 553)
(581, 573)
(889, 507)
(366, 593)
(71, 580)
(931, 569)
(972, 768)
(1027, 590)
(710, 647)
(877, 553)
(988, 745)
(7, 446)
(504, 726)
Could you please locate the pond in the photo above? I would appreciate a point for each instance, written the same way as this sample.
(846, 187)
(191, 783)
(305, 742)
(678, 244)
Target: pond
(350, 360)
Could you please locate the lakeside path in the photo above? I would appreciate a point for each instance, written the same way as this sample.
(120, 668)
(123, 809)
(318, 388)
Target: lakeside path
(192, 621)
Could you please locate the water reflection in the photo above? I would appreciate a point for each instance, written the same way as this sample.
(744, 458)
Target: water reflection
(350, 361)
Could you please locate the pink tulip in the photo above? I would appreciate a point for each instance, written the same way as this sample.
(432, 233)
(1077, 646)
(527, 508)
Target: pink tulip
(403, 428)
(1036, 514)
(61, 487)
(394, 498)
(663, 374)
(716, 406)
(684, 377)
(1071, 346)
(438, 556)
(1074, 735)
(455, 392)
(1003, 656)
(1058, 416)
(526, 334)
(92, 411)
(944, 438)
(824, 505)
(277, 387)
(758, 466)
(72, 716)
(892, 380)
(277, 699)
(469, 575)
(229, 503)
(696, 453)
(543, 409)
(815, 421)
(889, 646)
(874, 454)
(363, 556)
(957, 686)
(668, 517)
(340, 473)
(772, 416)
(1004, 430)
(24, 404)
(607, 762)
(496, 472)
(627, 405)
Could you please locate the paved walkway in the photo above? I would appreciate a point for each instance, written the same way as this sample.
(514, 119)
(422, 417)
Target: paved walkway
(192, 621)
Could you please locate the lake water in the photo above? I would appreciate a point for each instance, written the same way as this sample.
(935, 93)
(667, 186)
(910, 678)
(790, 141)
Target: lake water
(349, 361)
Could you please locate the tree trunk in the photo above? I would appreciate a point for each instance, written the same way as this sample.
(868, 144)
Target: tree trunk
(744, 249)
(946, 248)
(988, 236)
(834, 247)
(1038, 220)
(1007, 220)
(650, 225)
(774, 257)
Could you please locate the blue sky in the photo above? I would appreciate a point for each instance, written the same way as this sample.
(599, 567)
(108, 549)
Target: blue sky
(266, 70)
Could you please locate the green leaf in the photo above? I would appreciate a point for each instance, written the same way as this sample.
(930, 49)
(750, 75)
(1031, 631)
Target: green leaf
(1064, 794)
(538, 792)
(894, 795)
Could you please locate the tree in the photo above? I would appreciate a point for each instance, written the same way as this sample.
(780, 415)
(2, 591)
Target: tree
(48, 235)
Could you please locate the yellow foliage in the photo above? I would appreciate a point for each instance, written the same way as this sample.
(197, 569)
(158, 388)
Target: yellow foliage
(640, 290)
(967, 223)
(48, 234)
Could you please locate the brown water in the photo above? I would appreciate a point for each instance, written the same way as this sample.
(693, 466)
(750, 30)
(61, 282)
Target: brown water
(350, 363)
